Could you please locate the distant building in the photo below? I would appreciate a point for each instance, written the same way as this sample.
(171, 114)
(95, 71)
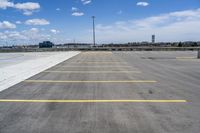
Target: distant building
(46, 44)
(153, 38)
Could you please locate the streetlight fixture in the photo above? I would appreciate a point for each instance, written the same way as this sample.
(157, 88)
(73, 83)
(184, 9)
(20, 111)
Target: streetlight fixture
(93, 17)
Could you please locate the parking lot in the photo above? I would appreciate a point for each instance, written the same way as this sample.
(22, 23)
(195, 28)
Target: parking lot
(126, 92)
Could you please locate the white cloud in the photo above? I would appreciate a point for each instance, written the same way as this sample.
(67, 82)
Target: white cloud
(85, 2)
(7, 25)
(18, 22)
(142, 4)
(14, 35)
(31, 36)
(5, 4)
(54, 31)
(3, 36)
(34, 30)
(74, 9)
(173, 26)
(27, 13)
(77, 14)
(34, 34)
(37, 22)
(28, 8)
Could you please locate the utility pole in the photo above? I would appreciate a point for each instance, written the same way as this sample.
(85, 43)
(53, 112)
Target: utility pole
(93, 17)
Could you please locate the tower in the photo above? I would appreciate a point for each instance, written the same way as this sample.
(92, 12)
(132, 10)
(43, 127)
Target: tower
(153, 38)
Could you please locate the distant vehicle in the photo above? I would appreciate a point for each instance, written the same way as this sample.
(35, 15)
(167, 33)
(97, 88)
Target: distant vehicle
(46, 44)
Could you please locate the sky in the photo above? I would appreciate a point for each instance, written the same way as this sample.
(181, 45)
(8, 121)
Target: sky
(117, 21)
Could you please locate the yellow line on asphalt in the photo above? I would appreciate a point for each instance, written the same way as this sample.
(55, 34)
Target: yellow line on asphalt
(97, 66)
(97, 52)
(186, 58)
(91, 101)
(103, 54)
(90, 81)
(99, 72)
(97, 62)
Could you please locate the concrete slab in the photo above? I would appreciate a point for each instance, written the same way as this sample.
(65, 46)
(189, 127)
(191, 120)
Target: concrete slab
(71, 111)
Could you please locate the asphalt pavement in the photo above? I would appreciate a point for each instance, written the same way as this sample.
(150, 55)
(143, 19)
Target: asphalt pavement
(108, 92)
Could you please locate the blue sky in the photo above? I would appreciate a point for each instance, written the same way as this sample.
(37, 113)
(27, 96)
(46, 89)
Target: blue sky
(32, 21)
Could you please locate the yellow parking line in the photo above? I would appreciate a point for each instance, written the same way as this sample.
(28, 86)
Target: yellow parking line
(97, 53)
(99, 72)
(91, 101)
(103, 54)
(98, 62)
(90, 81)
(186, 58)
(98, 66)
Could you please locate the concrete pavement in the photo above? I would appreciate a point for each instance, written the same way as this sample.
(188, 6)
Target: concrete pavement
(105, 92)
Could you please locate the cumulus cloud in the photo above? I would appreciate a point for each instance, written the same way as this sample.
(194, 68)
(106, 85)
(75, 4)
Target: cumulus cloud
(142, 4)
(173, 26)
(37, 22)
(28, 8)
(85, 2)
(30, 36)
(3, 36)
(34, 30)
(54, 31)
(77, 14)
(34, 34)
(7, 25)
(5, 4)
(14, 35)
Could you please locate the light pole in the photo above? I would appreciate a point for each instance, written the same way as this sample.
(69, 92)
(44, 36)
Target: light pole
(93, 17)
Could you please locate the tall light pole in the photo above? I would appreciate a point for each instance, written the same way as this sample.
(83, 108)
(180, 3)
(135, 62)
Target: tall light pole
(93, 17)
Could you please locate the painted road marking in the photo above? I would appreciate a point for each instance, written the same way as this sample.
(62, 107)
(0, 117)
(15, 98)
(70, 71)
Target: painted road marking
(97, 52)
(98, 66)
(92, 101)
(186, 58)
(98, 62)
(92, 81)
(99, 72)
